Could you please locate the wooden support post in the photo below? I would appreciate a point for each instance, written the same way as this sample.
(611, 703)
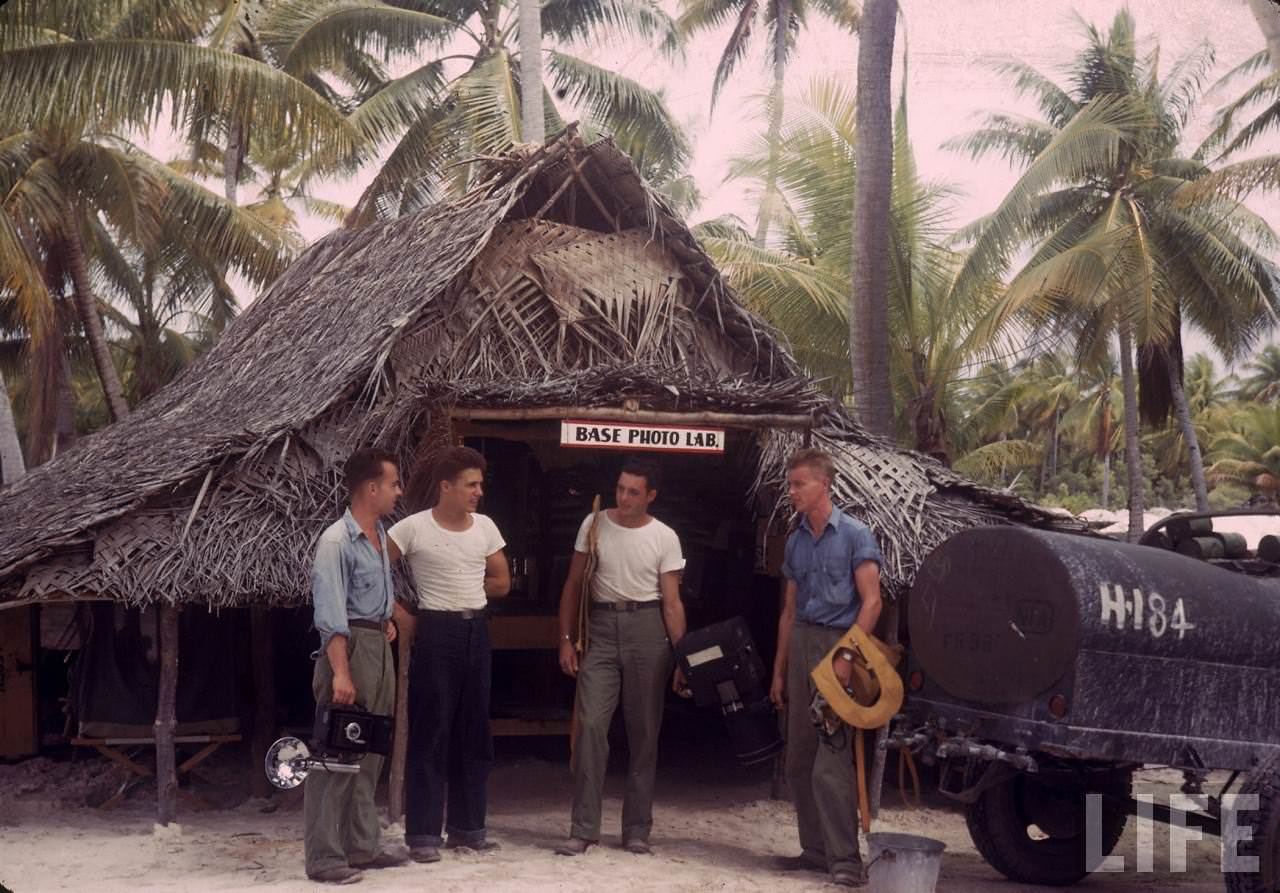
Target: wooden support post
(166, 716)
(400, 739)
(262, 642)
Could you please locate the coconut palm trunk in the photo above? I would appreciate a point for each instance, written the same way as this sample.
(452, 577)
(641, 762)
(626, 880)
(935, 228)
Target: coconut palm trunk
(1195, 458)
(1132, 455)
(869, 317)
(532, 121)
(87, 309)
(1268, 15)
(768, 205)
(1106, 481)
(12, 465)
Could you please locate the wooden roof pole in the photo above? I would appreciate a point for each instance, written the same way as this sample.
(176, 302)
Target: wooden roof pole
(599, 413)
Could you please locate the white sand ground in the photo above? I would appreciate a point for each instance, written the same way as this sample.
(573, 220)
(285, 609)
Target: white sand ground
(716, 830)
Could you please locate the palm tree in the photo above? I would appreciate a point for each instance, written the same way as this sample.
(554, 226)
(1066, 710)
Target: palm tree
(73, 77)
(1127, 241)
(1249, 452)
(1261, 382)
(801, 285)
(468, 104)
(782, 19)
(1092, 419)
(12, 465)
(872, 201)
(532, 122)
(1268, 17)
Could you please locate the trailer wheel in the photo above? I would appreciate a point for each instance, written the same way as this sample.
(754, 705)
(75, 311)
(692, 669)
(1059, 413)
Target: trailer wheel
(1034, 833)
(1264, 823)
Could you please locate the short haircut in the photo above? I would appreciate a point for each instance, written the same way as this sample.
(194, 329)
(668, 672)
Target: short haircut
(452, 462)
(815, 460)
(644, 468)
(365, 465)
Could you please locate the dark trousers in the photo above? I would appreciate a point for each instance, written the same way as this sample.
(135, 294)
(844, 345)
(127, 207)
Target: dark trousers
(450, 748)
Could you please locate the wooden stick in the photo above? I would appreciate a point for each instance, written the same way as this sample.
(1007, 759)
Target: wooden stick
(262, 643)
(728, 419)
(400, 738)
(166, 717)
(882, 733)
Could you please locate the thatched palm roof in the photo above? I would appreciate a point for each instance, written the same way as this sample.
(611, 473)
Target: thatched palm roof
(559, 280)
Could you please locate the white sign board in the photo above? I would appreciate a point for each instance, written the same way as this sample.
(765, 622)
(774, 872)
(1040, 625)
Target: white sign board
(635, 437)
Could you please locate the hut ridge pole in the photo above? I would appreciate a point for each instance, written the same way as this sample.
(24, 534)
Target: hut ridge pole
(166, 716)
(262, 643)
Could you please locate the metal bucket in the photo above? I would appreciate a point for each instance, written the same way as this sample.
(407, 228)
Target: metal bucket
(903, 863)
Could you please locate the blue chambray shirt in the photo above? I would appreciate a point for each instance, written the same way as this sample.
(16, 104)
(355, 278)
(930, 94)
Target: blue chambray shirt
(349, 579)
(822, 568)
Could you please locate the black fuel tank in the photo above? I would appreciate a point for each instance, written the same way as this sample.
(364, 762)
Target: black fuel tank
(999, 615)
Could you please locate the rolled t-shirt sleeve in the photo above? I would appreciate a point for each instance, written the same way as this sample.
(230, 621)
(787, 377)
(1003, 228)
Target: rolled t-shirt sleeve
(402, 533)
(865, 548)
(493, 537)
(328, 592)
(580, 544)
(672, 558)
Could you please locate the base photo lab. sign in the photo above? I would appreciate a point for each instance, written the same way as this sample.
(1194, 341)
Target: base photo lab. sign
(633, 436)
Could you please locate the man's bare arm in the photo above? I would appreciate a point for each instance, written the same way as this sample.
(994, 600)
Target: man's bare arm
(497, 575)
(672, 606)
(786, 620)
(568, 615)
(866, 577)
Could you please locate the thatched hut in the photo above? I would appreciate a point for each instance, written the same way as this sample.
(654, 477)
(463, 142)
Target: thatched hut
(561, 287)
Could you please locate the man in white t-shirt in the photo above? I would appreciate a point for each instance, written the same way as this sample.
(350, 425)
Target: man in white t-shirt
(456, 557)
(635, 617)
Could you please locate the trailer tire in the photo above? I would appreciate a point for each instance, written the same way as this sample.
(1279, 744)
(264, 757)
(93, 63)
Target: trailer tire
(1263, 781)
(1000, 823)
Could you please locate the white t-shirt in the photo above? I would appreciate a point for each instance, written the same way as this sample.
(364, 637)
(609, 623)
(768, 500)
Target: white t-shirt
(447, 565)
(631, 559)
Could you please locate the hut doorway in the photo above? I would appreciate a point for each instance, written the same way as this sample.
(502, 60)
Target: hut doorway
(538, 491)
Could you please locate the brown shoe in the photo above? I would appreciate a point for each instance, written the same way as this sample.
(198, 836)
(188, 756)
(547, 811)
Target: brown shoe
(479, 846)
(339, 874)
(574, 846)
(390, 857)
(638, 846)
(424, 854)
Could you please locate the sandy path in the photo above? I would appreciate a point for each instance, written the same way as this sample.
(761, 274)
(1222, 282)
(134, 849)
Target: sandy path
(715, 830)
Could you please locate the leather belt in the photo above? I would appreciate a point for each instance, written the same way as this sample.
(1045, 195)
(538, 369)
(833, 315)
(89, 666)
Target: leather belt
(464, 614)
(376, 625)
(626, 606)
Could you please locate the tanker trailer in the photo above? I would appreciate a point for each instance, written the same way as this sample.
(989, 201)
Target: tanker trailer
(1044, 667)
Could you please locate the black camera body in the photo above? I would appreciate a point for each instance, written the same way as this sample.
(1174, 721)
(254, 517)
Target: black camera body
(722, 666)
(348, 730)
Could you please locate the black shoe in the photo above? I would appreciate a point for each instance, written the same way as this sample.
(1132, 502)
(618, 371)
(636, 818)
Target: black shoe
(480, 846)
(424, 854)
(638, 846)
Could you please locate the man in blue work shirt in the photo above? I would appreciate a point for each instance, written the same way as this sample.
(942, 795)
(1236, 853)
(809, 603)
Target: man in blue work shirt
(354, 601)
(832, 571)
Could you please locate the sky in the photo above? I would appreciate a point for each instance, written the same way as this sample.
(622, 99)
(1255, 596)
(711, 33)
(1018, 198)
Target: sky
(948, 85)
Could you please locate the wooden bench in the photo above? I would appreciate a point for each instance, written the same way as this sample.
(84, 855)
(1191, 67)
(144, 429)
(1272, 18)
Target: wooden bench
(114, 750)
